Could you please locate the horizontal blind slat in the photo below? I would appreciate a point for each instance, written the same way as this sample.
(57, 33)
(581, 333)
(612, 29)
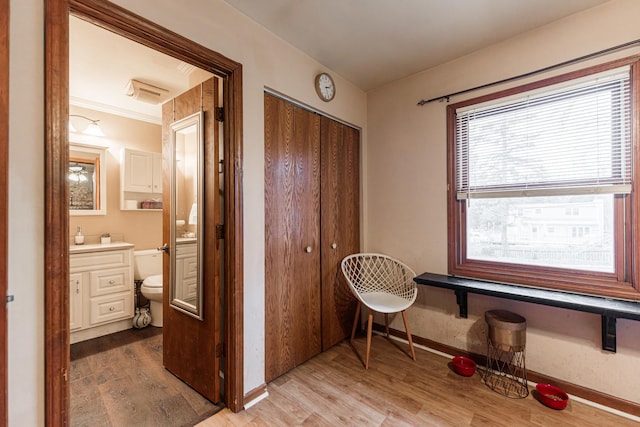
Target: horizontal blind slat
(576, 137)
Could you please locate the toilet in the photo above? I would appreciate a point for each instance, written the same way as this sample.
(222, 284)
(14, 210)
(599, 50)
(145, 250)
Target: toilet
(148, 268)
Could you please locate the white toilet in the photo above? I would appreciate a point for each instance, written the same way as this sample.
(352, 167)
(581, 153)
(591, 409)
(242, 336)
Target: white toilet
(148, 268)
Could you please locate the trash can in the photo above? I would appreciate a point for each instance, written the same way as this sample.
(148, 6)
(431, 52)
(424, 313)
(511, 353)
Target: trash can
(506, 372)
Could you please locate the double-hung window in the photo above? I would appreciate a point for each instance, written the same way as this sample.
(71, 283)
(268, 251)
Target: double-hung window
(541, 183)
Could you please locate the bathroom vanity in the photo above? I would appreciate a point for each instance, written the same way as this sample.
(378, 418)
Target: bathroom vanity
(186, 280)
(101, 296)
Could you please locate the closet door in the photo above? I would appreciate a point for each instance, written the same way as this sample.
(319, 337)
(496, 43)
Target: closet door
(340, 202)
(292, 236)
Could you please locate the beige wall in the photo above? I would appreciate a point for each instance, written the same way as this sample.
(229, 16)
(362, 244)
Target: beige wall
(267, 62)
(26, 214)
(406, 201)
(403, 166)
(142, 228)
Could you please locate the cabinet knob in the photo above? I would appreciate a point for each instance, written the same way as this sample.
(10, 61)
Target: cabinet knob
(112, 308)
(308, 249)
(111, 282)
(334, 245)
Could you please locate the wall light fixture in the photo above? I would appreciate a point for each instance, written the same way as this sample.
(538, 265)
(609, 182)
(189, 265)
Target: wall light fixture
(92, 129)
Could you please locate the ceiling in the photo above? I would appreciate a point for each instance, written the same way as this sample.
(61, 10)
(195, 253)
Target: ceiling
(374, 42)
(368, 42)
(102, 63)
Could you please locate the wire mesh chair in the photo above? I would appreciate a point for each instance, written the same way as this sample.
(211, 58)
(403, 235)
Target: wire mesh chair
(384, 285)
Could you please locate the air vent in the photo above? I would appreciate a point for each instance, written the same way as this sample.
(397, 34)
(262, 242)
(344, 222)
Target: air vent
(146, 92)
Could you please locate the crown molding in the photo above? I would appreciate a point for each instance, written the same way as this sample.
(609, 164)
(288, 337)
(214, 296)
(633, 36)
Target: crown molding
(85, 103)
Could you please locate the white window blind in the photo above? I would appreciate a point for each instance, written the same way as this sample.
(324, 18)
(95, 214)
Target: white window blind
(564, 139)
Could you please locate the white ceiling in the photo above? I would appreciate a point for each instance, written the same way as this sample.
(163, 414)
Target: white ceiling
(374, 42)
(101, 63)
(369, 42)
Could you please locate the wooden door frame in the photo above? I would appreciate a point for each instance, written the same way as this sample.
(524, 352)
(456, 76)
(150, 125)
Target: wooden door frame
(122, 22)
(4, 163)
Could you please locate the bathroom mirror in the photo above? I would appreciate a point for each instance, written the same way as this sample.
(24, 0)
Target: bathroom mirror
(187, 174)
(87, 177)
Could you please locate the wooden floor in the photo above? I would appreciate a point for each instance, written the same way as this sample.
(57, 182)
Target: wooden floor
(118, 380)
(333, 389)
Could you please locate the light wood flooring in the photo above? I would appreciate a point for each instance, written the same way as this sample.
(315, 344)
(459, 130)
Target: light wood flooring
(118, 380)
(333, 389)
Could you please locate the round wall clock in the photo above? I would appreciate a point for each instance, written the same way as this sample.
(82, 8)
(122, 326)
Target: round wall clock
(325, 88)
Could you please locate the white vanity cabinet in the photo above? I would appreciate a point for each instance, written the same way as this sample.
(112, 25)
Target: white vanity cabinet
(75, 301)
(186, 271)
(101, 289)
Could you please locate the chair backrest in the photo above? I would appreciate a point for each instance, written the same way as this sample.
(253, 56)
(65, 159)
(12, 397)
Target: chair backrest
(371, 272)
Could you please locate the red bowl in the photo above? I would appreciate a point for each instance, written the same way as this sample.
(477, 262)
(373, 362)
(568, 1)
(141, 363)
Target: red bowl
(552, 396)
(463, 365)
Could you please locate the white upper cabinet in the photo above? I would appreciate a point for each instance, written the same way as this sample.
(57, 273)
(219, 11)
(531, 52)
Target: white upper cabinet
(156, 179)
(140, 179)
(137, 170)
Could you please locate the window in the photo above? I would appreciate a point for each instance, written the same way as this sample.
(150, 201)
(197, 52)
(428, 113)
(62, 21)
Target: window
(541, 183)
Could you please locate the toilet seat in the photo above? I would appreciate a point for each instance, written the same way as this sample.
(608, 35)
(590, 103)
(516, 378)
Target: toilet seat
(153, 281)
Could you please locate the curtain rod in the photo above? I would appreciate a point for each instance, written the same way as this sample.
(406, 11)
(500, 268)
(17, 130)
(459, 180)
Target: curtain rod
(533, 73)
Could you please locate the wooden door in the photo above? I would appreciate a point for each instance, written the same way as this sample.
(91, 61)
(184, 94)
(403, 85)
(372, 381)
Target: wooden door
(292, 236)
(190, 345)
(340, 225)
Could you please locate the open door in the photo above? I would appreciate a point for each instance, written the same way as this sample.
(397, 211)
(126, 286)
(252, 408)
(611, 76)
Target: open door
(191, 216)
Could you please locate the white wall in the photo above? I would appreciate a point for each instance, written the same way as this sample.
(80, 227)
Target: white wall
(26, 213)
(406, 206)
(267, 62)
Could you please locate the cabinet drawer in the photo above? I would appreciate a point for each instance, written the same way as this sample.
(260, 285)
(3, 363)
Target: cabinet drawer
(104, 282)
(110, 308)
(102, 260)
(190, 268)
(186, 250)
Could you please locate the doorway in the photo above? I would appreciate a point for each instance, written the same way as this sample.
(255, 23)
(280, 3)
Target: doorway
(136, 28)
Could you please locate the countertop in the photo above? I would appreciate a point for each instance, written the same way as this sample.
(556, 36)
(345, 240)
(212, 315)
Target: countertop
(98, 247)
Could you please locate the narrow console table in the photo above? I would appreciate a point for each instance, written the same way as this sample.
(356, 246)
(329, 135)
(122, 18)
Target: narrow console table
(609, 309)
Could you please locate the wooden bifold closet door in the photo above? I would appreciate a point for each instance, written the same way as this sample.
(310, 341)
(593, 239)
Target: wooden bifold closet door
(311, 223)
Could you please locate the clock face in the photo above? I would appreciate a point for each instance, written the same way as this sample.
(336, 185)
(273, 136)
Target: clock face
(325, 87)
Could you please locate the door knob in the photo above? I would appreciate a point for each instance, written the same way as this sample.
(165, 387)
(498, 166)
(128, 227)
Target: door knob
(164, 248)
(308, 249)
(334, 245)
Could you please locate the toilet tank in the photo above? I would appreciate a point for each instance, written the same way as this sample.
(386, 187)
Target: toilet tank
(146, 263)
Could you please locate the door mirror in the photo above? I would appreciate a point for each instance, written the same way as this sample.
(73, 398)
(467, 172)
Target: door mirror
(87, 177)
(187, 175)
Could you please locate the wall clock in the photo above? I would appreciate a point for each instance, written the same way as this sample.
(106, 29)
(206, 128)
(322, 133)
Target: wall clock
(325, 88)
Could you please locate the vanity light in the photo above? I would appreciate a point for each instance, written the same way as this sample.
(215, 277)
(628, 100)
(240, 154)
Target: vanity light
(77, 174)
(92, 129)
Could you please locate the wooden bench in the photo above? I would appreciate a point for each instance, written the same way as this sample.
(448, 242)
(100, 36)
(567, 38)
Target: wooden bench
(608, 308)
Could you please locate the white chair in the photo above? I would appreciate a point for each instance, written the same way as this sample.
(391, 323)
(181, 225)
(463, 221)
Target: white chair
(384, 285)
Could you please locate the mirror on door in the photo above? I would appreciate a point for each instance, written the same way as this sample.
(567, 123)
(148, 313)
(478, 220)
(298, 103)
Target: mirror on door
(187, 173)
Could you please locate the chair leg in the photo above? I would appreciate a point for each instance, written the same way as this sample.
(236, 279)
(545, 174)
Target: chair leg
(369, 325)
(406, 328)
(355, 322)
(386, 324)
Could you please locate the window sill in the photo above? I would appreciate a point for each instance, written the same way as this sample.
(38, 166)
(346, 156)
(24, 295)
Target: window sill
(609, 309)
